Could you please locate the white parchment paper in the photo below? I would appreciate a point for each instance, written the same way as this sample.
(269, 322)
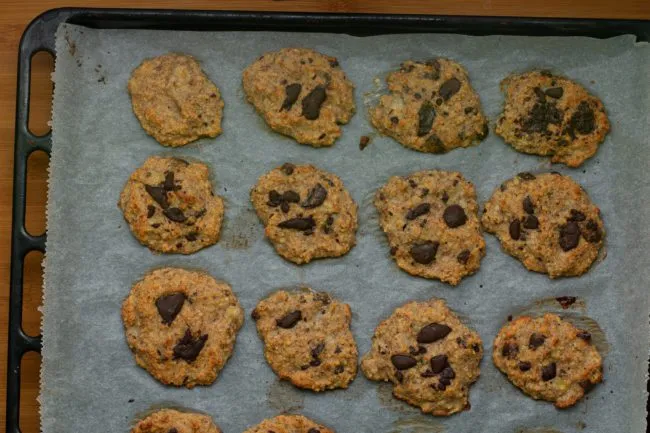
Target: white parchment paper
(90, 381)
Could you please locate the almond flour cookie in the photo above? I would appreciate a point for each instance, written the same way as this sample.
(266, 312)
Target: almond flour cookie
(174, 100)
(550, 115)
(181, 325)
(170, 206)
(307, 338)
(547, 222)
(173, 421)
(431, 107)
(431, 221)
(301, 93)
(307, 212)
(289, 424)
(428, 354)
(548, 358)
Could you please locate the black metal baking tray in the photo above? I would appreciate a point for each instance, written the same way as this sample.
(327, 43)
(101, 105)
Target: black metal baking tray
(40, 36)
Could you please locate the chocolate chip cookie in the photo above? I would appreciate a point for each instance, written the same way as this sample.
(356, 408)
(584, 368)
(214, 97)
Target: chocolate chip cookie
(307, 338)
(431, 107)
(173, 421)
(289, 424)
(181, 325)
(307, 212)
(547, 222)
(170, 206)
(173, 99)
(431, 221)
(428, 354)
(301, 93)
(550, 115)
(548, 358)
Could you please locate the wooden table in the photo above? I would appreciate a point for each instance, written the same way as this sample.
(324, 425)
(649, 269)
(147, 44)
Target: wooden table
(17, 14)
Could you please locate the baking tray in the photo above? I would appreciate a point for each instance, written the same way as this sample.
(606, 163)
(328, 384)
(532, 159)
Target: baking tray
(40, 36)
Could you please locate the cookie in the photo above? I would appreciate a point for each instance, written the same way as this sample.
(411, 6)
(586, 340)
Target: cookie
(548, 358)
(428, 354)
(547, 222)
(550, 115)
(431, 221)
(173, 421)
(181, 325)
(307, 338)
(301, 93)
(170, 206)
(431, 107)
(289, 424)
(175, 102)
(307, 212)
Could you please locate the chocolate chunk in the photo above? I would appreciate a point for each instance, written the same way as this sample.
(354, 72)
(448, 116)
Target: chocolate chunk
(476, 347)
(541, 115)
(576, 215)
(333, 63)
(169, 306)
(592, 233)
(315, 197)
(439, 363)
(528, 205)
(291, 196)
(425, 252)
(399, 376)
(468, 110)
(284, 207)
(151, 210)
(188, 347)
(583, 119)
(449, 88)
(172, 430)
(435, 64)
(288, 168)
(524, 365)
(554, 92)
(515, 229)
(426, 116)
(569, 236)
(586, 385)
(444, 197)
(255, 315)
(526, 176)
(302, 224)
(168, 185)
(536, 340)
(158, 194)
(448, 373)
(432, 332)
(327, 227)
(428, 373)
(339, 369)
(454, 216)
(531, 222)
(174, 214)
(463, 257)
(566, 301)
(509, 350)
(275, 198)
(313, 430)
(441, 386)
(192, 236)
(403, 362)
(445, 381)
(419, 210)
(316, 351)
(311, 103)
(549, 371)
(292, 91)
(584, 335)
(315, 362)
(364, 141)
(289, 320)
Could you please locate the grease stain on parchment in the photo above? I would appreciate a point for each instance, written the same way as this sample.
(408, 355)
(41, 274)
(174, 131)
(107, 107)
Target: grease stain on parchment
(284, 397)
(417, 424)
(240, 231)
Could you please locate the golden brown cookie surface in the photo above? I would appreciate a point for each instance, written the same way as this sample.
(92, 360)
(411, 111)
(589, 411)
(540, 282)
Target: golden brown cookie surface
(173, 421)
(431, 107)
(428, 354)
(289, 424)
(547, 222)
(307, 338)
(548, 358)
(174, 100)
(301, 93)
(170, 206)
(307, 212)
(181, 325)
(550, 115)
(431, 221)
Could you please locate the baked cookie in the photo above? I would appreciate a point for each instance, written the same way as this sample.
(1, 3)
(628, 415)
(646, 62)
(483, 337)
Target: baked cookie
(547, 222)
(307, 338)
(431, 221)
(173, 421)
(170, 206)
(301, 93)
(307, 212)
(181, 325)
(431, 107)
(173, 99)
(548, 358)
(289, 424)
(428, 354)
(550, 115)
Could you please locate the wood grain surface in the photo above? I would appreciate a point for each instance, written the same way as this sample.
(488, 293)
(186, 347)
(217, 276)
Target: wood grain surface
(16, 15)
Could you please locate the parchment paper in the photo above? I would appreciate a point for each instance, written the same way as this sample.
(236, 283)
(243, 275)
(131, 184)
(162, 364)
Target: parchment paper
(90, 381)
